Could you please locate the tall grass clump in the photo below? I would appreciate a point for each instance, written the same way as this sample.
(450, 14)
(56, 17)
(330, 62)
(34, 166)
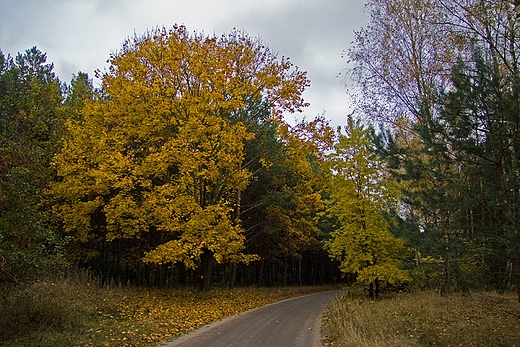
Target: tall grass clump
(32, 313)
(424, 319)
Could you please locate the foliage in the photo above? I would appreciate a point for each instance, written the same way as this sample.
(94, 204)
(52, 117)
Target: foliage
(160, 152)
(361, 196)
(30, 126)
(297, 206)
(302, 186)
(451, 130)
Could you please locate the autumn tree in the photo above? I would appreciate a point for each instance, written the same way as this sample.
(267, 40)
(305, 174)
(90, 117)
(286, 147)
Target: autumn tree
(399, 58)
(361, 198)
(295, 215)
(160, 157)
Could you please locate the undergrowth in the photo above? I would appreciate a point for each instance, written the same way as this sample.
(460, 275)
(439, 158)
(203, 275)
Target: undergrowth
(79, 311)
(424, 319)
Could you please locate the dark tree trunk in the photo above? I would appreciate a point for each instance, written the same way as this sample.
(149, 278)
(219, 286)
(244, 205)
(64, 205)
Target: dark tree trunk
(232, 275)
(300, 280)
(182, 273)
(207, 270)
(371, 290)
(443, 285)
(285, 269)
(260, 273)
(118, 262)
(516, 275)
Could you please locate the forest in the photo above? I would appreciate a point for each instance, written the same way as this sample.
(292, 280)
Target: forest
(181, 170)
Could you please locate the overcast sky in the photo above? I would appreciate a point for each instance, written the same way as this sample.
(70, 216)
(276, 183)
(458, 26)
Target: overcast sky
(79, 35)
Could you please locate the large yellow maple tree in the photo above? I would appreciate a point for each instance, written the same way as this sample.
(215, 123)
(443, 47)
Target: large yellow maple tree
(161, 150)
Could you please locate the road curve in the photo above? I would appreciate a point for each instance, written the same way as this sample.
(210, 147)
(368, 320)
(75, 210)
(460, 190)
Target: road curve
(288, 323)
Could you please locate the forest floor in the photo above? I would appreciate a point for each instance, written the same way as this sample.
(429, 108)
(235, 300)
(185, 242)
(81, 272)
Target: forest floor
(80, 312)
(421, 319)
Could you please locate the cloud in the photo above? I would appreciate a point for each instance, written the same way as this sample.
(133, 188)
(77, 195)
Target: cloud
(79, 35)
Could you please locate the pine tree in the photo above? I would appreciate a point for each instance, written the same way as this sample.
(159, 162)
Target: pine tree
(30, 126)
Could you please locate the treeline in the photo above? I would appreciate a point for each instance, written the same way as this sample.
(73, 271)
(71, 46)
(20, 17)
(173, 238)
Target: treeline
(443, 79)
(185, 167)
(180, 169)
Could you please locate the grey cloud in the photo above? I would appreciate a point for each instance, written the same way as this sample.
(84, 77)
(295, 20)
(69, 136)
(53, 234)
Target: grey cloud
(80, 34)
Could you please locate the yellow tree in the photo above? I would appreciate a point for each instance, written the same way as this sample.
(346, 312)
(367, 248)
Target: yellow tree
(360, 196)
(160, 151)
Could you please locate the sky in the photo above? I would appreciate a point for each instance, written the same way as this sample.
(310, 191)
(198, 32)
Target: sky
(79, 35)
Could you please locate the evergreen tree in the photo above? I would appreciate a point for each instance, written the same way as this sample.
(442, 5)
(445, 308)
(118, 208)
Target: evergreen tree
(31, 119)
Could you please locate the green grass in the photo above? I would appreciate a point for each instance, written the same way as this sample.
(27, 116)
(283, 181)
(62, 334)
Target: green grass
(424, 319)
(78, 311)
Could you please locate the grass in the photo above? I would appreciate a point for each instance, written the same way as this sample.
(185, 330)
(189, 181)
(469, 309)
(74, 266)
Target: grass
(424, 319)
(78, 311)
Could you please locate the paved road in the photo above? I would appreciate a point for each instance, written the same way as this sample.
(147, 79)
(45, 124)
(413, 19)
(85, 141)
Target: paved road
(289, 323)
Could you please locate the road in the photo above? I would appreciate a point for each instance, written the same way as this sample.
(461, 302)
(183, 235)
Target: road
(288, 323)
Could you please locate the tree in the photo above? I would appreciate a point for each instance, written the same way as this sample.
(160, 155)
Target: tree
(400, 57)
(30, 126)
(360, 199)
(161, 155)
(80, 90)
(481, 116)
(294, 217)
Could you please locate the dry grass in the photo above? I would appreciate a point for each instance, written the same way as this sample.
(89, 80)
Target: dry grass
(78, 311)
(424, 319)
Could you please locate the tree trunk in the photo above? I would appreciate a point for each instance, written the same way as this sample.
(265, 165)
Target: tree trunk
(516, 275)
(182, 273)
(236, 219)
(207, 270)
(443, 279)
(232, 275)
(118, 263)
(260, 282)
(300, 281)
(285, 269)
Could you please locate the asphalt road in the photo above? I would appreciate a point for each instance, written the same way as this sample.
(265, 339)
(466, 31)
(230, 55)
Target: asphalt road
(288, 323)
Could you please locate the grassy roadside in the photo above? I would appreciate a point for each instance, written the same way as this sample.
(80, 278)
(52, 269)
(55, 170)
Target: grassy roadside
(80, 312)
(424, 319)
